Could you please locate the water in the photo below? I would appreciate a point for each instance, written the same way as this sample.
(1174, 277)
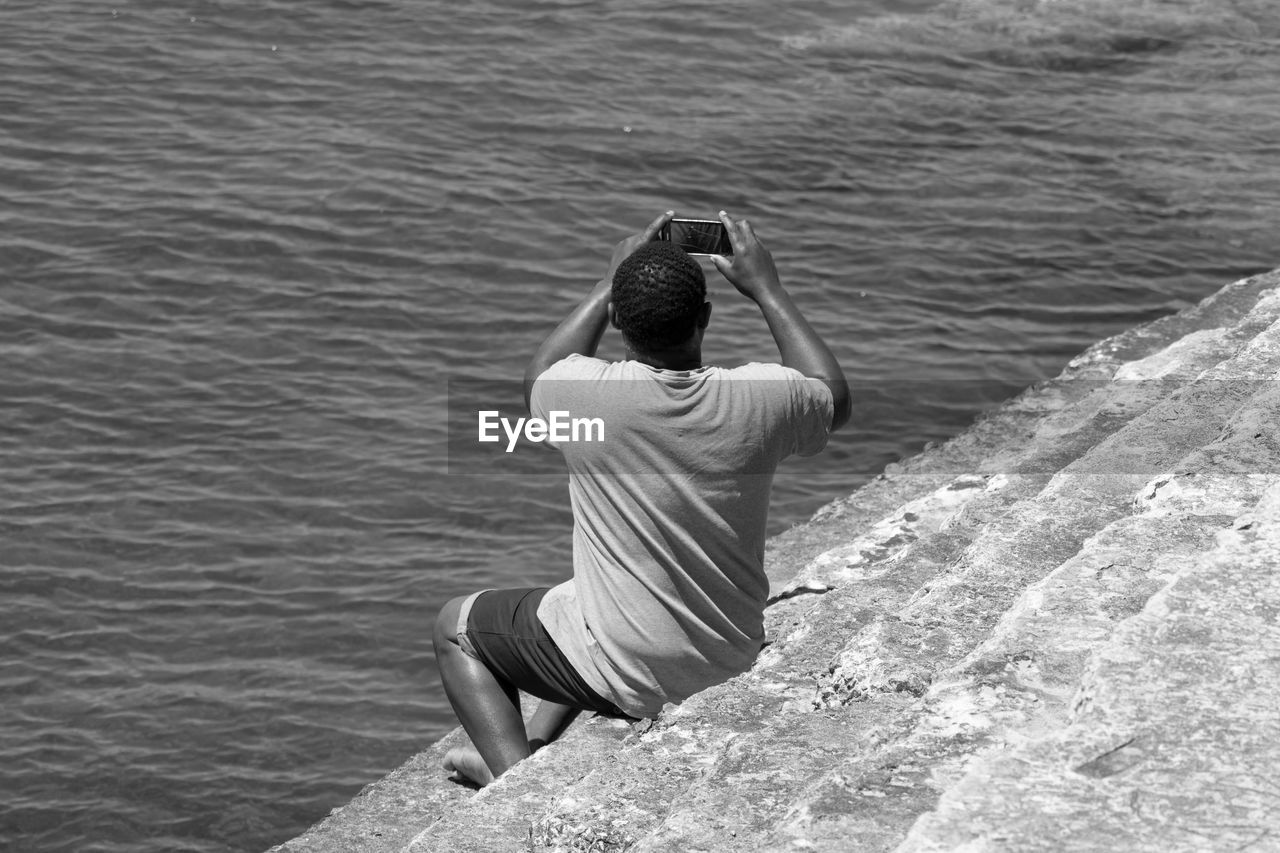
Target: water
(246, 251)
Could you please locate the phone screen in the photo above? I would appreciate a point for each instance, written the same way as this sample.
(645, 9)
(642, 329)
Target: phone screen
(698, 236)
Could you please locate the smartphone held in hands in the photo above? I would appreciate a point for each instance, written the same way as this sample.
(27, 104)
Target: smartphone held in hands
(698, 236)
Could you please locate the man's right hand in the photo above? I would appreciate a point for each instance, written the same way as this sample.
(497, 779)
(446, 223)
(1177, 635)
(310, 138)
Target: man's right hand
(751, 269)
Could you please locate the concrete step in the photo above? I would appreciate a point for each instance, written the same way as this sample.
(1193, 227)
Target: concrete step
(385, 816)
(1036, 535)
(390, 815)
(1223, 315)
(1173, 739)
(1065, 428)
(692, 748)
(1219, 482)
(897, 654)
(1019, 683)
(628, 794)
(503, 812)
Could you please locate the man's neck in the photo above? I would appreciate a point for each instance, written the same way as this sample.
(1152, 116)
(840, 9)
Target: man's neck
(672, 359)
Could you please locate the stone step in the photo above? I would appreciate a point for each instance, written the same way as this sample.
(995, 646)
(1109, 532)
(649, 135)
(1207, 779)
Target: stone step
(1018, 684)
(1224, 316)
(387, 815)
(693, 745)
(1174, 737)
(503, 812)
(1058, 438)
(659, 763)
(1064, 430)
(899, 654)
(692, 748)
(1096, 489)
(390, 815)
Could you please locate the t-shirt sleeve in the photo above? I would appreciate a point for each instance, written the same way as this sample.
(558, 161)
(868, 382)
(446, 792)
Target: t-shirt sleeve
(811, 411)
(801, 409)
(551, 391)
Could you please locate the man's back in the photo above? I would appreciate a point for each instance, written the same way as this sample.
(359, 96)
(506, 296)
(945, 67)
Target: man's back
(669, 518)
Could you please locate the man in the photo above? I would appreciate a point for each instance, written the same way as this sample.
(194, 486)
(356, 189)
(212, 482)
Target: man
(668, 590)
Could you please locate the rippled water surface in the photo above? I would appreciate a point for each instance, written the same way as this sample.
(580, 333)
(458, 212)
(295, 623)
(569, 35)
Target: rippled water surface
(245, 249)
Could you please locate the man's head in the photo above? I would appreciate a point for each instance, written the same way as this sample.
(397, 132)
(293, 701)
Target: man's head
(658, 297)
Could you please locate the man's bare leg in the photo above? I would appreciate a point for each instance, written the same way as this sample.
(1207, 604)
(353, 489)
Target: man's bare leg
(548, 722)
(488, 709)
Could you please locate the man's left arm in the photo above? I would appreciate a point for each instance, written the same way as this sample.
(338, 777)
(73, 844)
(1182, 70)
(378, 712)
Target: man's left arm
(582, 330)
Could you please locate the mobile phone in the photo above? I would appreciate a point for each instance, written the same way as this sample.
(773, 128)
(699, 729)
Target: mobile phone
(698, 236)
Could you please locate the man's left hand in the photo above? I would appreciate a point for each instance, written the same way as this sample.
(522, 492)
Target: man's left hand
(624, 250)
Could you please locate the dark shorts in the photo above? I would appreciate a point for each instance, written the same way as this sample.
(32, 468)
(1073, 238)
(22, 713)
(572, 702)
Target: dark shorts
(501, 629)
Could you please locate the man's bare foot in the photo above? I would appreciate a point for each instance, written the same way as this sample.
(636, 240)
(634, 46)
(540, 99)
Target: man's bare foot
(468, 764)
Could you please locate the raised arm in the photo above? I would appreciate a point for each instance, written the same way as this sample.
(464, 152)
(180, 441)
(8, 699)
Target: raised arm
(582, 330)
(752, 271)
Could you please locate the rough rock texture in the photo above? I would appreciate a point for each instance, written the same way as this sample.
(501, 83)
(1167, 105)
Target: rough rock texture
(1058, 631)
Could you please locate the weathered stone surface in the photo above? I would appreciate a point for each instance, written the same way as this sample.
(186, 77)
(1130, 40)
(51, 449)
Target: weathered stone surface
(1017, 684)
(507, 808)
(902, 652)
(1174, 741)
(387, 815)
(1017, 640)
(1009, 429)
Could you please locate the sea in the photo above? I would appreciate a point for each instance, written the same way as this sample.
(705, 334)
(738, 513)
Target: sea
(255, 257)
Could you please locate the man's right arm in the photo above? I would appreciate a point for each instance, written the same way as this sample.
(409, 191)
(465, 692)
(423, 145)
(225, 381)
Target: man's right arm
(581, 331)
(752, 271)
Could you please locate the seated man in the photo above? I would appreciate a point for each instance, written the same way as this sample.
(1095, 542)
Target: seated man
(668, 588)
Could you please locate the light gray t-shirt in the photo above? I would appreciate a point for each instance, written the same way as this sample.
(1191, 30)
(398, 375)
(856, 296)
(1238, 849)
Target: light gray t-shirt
(669, 511)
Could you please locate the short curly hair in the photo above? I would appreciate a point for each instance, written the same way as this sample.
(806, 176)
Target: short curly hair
(657, 294)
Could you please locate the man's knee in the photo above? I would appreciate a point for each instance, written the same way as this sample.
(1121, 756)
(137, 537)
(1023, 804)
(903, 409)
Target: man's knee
(446, 628)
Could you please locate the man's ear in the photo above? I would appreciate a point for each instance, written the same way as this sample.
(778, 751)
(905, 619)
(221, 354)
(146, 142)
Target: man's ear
(704, 316)
(613, 315)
